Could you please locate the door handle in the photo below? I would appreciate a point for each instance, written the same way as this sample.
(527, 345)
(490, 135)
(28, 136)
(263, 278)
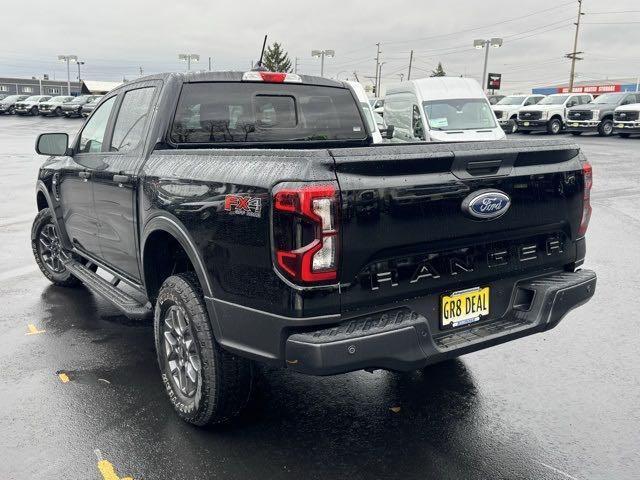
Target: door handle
(122, 178)
(86, 175)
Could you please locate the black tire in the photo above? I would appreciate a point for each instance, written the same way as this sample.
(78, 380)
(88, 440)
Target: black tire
(554, 126)
(57, 112)
(12, 110)
(34, 112)
(605, 129)
(223, 381)
(624, 135)
(577, 134)
(58, 276)
(513, 126)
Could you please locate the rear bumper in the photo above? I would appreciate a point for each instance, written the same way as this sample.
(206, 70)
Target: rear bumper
(401, 339)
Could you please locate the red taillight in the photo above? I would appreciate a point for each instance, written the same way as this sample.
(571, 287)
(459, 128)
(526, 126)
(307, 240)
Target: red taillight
(306, 247)
(587, 173)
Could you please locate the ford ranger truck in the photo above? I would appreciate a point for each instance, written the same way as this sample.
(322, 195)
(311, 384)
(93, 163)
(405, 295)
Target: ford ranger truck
(252, 218)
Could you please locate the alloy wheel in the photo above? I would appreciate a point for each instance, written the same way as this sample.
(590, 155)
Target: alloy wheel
(181, 354)
(50, 248)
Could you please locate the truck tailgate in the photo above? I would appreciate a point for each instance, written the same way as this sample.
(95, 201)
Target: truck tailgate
(404, 231)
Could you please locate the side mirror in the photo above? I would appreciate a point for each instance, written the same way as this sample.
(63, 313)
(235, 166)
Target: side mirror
(56, 144)
(388, 132)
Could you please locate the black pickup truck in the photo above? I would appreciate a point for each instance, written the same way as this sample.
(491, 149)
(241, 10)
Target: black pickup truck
(252, 217)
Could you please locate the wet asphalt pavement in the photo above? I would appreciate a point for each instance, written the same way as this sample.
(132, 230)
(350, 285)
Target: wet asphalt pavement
(84, 385)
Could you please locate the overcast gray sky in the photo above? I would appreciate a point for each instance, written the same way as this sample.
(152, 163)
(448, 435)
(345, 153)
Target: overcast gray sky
(116, 37)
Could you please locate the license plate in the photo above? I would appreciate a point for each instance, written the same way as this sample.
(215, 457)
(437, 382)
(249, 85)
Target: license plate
(620, 125)
(464, 307)
(573, 124)
(526, 124)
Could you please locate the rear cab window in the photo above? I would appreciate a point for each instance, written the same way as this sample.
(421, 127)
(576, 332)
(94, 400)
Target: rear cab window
(250, 112)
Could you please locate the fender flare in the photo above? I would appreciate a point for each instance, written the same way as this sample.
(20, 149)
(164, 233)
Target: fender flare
(41, 187)
(173, 226)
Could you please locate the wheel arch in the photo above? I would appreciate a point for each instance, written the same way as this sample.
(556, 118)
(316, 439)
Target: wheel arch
(159, 234)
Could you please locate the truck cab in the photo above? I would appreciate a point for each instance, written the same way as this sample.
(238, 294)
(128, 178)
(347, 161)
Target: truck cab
(550, 114)
(597, 116)
(440, 109)
(507, 109)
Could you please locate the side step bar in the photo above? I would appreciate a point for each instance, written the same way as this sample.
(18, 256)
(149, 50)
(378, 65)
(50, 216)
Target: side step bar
(128, 305)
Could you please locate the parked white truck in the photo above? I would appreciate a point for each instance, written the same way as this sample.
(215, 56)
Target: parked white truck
(626, 120)
(507, 109)
(550, 114)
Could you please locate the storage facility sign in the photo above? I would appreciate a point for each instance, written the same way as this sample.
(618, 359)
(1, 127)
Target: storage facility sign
(592, 89)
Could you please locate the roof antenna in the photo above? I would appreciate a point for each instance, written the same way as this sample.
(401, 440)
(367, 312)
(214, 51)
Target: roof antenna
(259, 67)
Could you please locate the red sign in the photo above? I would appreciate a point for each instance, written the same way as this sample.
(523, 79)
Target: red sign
(592, 89)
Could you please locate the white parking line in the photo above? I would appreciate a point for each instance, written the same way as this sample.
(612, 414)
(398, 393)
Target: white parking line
(557, 471)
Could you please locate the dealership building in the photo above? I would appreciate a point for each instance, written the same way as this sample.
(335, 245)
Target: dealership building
(595, 87)
(44, 86)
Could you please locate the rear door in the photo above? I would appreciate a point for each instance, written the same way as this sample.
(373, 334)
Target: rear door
(115, 183)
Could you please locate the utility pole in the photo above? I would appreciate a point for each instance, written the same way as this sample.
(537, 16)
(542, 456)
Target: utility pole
(574, 55)
(377, 69)
(295, 68)
(209, 63)
(141, 71)
(379, 79)
(410, 65)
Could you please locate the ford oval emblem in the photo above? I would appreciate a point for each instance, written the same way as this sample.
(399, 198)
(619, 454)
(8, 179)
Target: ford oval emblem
(486, 204)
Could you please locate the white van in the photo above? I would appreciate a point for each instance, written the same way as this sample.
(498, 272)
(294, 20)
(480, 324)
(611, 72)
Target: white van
(440, 109)
(367, 109)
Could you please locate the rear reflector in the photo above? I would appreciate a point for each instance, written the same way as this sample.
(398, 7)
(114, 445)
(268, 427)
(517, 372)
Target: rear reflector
(271, 77)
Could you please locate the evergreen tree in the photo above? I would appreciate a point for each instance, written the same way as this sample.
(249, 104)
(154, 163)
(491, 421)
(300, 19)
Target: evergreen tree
(276, 59)
(439, 71)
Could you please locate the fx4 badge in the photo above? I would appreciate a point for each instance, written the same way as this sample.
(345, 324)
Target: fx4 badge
(241, 205)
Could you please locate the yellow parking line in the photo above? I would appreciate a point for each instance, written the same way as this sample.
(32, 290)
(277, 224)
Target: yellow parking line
(33, 330)
(107, 470)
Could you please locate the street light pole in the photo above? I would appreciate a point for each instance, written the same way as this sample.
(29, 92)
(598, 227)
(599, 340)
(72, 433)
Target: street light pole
(188, 57)
(321, 54)
(68, 58)
(486, 44)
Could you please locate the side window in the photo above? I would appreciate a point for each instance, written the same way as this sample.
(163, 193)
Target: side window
(131, 120)
(586, 99)
(92, 135)
(629, 99)
(572, 101)
(418, 128)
